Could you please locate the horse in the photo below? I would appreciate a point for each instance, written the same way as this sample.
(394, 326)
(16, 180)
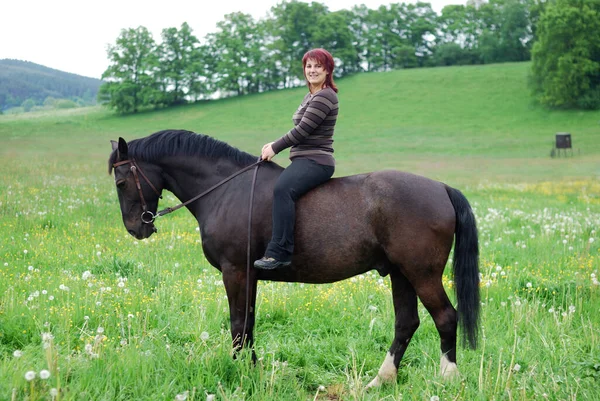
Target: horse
(400, 224)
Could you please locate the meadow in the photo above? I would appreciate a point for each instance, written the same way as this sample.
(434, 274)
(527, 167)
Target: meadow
(88, 312)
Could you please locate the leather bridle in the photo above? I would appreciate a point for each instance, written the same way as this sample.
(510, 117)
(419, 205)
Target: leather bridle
(148, 216)
(134, 170)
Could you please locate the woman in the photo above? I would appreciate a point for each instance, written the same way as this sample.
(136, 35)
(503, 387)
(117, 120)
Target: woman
(311, 154)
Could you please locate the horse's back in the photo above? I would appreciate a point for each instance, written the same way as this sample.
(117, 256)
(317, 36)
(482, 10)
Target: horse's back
(355, 223)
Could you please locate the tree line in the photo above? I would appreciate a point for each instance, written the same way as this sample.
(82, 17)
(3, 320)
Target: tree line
(246, 55)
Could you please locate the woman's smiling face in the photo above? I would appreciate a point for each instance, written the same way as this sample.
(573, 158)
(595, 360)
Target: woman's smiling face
(315, 74)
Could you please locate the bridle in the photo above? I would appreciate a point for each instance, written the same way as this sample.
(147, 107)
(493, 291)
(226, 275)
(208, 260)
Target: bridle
(148, 216)
(135, 168)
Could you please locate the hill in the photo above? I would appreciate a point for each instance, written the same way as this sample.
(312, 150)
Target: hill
(22, 80)
(457, 124)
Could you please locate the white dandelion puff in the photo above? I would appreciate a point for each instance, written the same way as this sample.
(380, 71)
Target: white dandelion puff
(44, 374)
(517, 367)
(18, 353)
(204, 336)
(30, 375)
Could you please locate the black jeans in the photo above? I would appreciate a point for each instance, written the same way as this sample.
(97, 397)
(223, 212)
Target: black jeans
(297, 179)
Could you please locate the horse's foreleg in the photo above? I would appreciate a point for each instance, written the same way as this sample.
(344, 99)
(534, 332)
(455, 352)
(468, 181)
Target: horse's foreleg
(241, 293)
(407, 322)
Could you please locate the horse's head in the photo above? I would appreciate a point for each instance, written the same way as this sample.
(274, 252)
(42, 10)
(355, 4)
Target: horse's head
(138, 190)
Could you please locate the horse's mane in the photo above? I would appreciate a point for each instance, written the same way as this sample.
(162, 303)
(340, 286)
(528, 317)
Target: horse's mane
(183, 143)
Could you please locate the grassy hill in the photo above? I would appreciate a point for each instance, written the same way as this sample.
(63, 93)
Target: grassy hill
(457, 124)
(22, 80)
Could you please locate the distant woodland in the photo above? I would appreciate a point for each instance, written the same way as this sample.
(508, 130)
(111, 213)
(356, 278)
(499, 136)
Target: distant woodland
(31, 86)
(246, 55)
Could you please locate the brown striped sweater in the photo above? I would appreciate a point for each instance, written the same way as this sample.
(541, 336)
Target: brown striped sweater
(312, 136)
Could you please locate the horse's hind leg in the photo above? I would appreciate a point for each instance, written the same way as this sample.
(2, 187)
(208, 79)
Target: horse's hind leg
(434, 298)
(407, 322)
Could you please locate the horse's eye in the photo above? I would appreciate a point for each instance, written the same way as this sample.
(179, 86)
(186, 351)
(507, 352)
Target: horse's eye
(121, 183)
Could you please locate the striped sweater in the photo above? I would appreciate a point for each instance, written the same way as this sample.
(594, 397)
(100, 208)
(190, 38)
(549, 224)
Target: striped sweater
(312, 135)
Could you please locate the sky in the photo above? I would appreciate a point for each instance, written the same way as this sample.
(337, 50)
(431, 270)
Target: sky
(72, 35)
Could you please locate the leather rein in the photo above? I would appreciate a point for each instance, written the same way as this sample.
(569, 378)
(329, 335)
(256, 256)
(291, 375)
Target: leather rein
(147, 216)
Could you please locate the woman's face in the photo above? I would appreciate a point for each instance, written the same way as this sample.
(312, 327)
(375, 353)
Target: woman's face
(315, 73)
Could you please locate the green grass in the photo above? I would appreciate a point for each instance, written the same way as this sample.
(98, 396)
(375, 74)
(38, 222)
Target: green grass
(162, 308)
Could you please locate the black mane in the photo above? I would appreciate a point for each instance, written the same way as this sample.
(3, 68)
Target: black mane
(185, 143)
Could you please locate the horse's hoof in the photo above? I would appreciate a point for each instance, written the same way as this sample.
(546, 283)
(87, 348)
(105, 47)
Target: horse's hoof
(448, 369)
(376, 382)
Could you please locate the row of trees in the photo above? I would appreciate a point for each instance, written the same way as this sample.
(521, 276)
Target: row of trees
(246, 55)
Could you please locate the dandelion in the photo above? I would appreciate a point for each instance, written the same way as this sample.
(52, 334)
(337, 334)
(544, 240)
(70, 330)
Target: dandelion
(518, 302)
(121, 284)
(88, 348)
(100, 330)
(86, 275)
(51, 298)
(434, 398)
(204, 336)
(18, 353)
(551, 310)
(517, 367)
(53, 392)
(30, 268)
(321, 388)
(98, 253)
(210, 397)
(591, 240)
(30, 375)
(529, 285)
(63, 287)
(44, 374)
(372, 308)
(181, 397)
(572, 309)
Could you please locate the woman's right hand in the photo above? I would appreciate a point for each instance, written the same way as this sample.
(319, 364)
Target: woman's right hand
(267, 152)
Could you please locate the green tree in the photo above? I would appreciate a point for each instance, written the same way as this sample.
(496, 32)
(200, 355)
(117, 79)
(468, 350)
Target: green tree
(177, 57)
(293, 27)
(566, 59)
(28, 105)
(237, 48)
(130, 82)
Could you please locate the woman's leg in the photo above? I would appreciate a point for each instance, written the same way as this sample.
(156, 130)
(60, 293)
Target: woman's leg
(297, 179)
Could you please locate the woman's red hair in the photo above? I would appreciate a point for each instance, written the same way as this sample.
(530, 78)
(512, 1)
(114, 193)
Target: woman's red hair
(324, 58)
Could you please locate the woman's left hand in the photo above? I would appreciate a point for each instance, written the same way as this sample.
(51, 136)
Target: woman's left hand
(267, 152)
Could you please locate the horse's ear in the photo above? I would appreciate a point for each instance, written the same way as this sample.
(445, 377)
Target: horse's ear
(122, 146)
(114, 144)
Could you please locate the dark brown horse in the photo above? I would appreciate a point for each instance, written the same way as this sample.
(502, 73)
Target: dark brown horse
(400, 224)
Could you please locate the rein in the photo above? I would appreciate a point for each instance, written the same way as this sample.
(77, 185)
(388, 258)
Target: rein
(145, 212)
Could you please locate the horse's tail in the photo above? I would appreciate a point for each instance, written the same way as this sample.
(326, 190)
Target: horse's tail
(465, 267)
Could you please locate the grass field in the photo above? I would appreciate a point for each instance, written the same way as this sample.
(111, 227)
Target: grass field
(113, 318)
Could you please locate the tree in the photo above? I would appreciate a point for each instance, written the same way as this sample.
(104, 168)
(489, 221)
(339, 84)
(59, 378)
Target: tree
(566, 59)
(177, 56)
(130, 77)
(28, 104)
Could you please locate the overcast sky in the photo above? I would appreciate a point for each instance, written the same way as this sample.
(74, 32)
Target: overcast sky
(72, 36)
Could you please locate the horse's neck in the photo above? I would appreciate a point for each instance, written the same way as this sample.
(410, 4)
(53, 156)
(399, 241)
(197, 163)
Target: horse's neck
(188, 177)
